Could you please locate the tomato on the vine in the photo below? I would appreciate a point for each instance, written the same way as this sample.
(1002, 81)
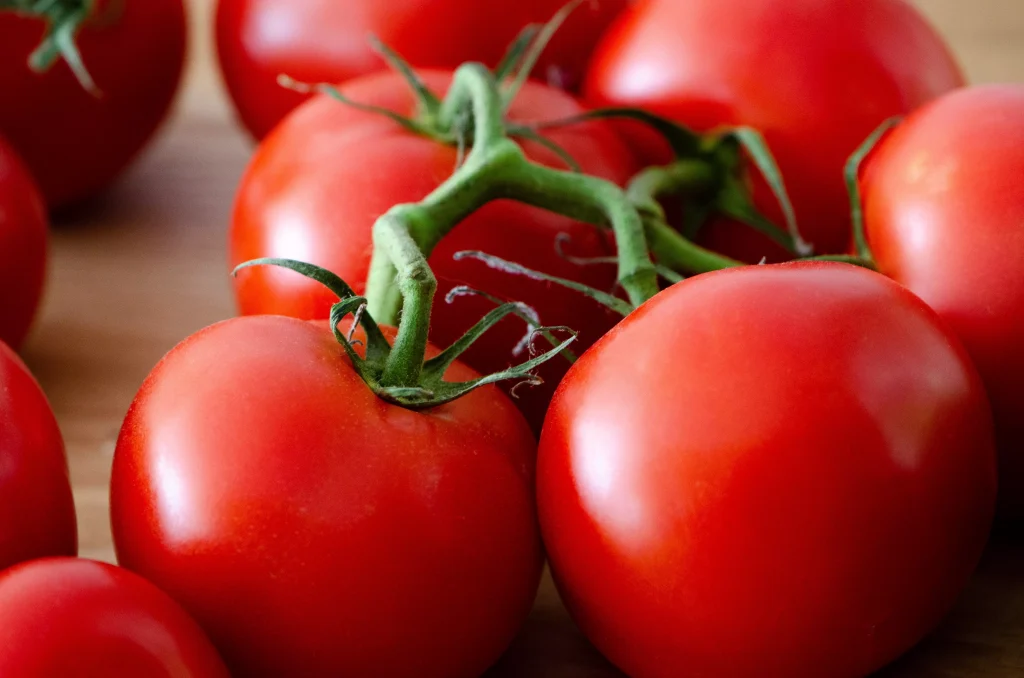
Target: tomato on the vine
(75, 141)
(327, 41)
(767, 471)
(944, 211)
(318, 183)
(816, 77)
(70, 617)
(314, 529)
(37, 510)
(23, 245)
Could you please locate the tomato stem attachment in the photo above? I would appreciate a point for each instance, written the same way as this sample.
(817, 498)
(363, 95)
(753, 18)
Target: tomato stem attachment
(63, 19)
(401, 374)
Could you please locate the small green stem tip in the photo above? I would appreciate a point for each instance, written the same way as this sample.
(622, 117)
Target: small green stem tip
(852, 175)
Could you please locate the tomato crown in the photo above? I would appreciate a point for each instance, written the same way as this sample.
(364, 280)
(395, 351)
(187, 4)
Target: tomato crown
(64, 18)
(398, 373)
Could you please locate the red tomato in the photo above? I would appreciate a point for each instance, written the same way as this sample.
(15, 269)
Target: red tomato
(69, 617)
(815, 76)
(316, 186)
(23, 237)
(327, 41)
(37, 511)
(945, 217)
(76, 143)
(315, 530)
(768, 471)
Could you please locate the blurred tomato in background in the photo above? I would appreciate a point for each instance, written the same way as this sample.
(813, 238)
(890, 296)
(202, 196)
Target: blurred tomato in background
(816, 77)
(76, 141)
(327, 41)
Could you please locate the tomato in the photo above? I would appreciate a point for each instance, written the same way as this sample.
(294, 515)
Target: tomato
(944, 209)
(316, 186)
(816, 77)
(327, 41)
(75, 142)
(23, 237)
(315, 530)
(70, 617)
(767, 471)
(37, 511)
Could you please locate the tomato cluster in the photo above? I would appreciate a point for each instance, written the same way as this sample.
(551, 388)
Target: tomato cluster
(788, 469)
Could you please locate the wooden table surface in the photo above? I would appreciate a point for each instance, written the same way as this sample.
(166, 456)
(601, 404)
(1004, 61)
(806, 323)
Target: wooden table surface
(145, 266)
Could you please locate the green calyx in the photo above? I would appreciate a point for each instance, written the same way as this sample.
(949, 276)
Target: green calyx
(64, 18)
(399, 373)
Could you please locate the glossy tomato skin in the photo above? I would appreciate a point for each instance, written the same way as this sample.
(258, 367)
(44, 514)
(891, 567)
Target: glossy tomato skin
(37, 510)
(23, 247)
(76, 143)
(944, 207)
(70, 617)
(318, 183)
(769, 471)
(314, 530)
(327, 41)
(815, 76)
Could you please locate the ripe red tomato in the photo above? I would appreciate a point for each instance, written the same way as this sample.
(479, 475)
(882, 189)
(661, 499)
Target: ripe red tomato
(815, 76)
(318, 183)
(944, 208)
(37, 511)
(75, 142)
(768, 471)
(327, 41)
(316, 530)
(23, 236)
(70, 617)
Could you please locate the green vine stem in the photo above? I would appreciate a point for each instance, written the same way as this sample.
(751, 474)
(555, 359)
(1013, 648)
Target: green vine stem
(670, 247)
(710, 170)
(678, 179)
(496, 168)
(417, 285)
(63, 19)
(677, 253)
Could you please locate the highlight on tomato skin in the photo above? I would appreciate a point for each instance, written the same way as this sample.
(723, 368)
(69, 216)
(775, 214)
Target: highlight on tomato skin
(816, 77)
(777, 470)
(76, 617)
(943, 208)
(314, 529)
(76, 141)
(325, 41)
(37, 508)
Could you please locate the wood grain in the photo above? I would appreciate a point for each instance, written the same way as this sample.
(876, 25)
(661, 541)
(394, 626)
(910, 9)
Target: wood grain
(144, 266)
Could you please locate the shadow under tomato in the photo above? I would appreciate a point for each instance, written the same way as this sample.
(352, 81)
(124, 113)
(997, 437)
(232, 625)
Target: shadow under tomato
(551, 646)
(984, 634)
